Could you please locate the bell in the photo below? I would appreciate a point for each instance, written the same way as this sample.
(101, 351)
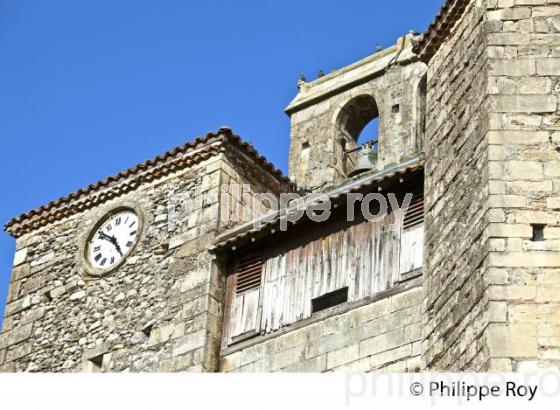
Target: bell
(366, 160)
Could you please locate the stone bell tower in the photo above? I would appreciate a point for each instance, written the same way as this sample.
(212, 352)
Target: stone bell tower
(329, 113)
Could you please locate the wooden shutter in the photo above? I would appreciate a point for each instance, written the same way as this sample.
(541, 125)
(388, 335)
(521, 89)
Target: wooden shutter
(412, 237)
(244, 299)
(415, 212)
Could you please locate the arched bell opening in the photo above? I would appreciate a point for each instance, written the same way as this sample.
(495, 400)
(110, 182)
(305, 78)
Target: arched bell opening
(358, 127)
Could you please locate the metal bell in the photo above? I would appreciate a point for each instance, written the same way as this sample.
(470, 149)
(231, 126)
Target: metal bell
(366, 160)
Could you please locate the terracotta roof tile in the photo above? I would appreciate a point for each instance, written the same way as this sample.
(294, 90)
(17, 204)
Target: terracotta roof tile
(149, 170)
(439, 28)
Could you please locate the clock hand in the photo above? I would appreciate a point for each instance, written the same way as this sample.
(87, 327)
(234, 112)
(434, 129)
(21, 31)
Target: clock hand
(103, 235)
(112, 239)
(116, 243)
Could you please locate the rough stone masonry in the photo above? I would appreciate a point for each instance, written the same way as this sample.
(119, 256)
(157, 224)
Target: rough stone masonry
(473, 102)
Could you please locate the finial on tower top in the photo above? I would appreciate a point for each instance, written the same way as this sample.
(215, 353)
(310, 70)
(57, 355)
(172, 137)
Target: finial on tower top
(301, 81)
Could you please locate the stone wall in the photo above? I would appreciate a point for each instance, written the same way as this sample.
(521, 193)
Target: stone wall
(524, 184)
(382, 336)
(492, 285)
(328, 115)
(160, 311)
(456, 199)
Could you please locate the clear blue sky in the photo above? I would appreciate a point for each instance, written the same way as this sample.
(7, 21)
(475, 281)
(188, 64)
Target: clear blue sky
(88, 89)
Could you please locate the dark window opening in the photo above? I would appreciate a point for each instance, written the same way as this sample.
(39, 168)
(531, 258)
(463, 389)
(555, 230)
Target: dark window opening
(538, 232)
(396, 108)
(148, 330)
(329, 300)
(305, 145)
(421, 113)
(97, 363)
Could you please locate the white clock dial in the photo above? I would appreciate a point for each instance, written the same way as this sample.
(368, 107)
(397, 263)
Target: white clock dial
(113, 240)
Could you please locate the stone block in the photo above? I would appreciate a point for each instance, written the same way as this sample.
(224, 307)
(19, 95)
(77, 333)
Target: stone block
(406, 299)
(530, 186)
(512, 292)
(535, 85)
(497, 311)
(20, 257)
(316, 365)
(176, 364)
(373, 328)
(165, 333)
(549, 293)
(382, 359)
(374, 310)
(386, 341)
(524, 170)
(546, 11)
(21, 272)
(506, 39)
(77, 295)
(501, 365)
(524, 103)
(497, 276)
(328, 343)
(15, 336)
(507, 201)
(509, 230)
(552, 169)
(342, 356)
(522, 67)
(18, 352)
(512, 340)
(522, 313)
(287, 358)
(189, 342)
(524, 259)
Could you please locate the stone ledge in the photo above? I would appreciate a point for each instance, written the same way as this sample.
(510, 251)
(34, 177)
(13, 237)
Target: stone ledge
(321, 316)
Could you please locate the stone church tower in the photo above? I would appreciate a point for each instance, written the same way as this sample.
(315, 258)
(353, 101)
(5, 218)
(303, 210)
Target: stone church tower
(164, 268)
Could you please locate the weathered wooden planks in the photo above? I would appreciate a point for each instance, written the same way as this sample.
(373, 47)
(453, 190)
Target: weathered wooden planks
(368, 258)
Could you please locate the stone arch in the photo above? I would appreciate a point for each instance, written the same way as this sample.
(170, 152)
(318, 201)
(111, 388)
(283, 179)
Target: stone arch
(350, 121)
(419, 111)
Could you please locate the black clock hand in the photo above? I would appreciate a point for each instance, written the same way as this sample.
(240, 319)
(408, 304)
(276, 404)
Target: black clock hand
(116, 243)
(103, 235)
(112, 239)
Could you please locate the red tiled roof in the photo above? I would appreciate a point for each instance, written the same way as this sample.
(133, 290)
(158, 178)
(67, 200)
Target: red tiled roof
(439, 29)
(130, 179)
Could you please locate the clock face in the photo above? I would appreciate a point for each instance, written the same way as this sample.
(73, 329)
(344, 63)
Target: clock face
(113, 240)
